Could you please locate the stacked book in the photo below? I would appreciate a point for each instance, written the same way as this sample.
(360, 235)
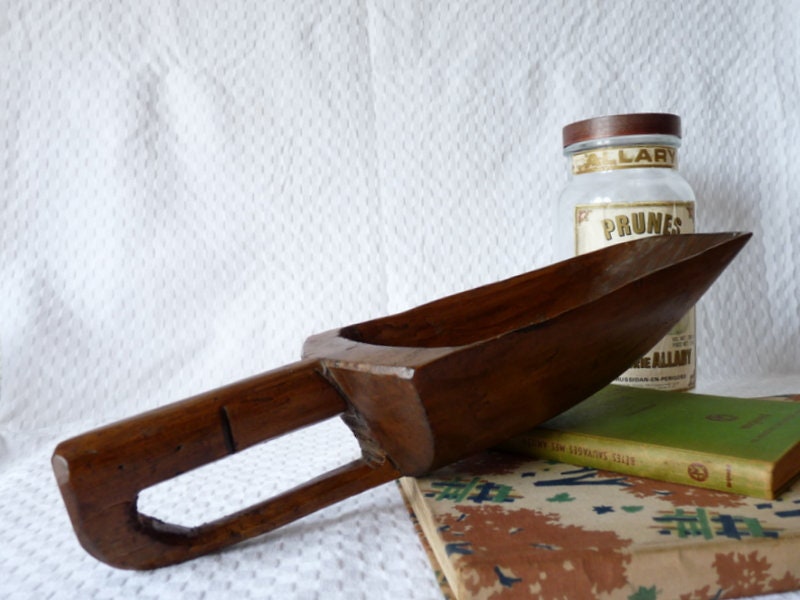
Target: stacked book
(597, 503)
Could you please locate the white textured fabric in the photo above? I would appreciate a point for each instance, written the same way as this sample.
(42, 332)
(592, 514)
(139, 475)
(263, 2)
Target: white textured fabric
(189, 189)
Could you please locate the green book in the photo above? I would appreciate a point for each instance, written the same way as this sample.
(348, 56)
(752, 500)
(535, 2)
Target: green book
(748, 446)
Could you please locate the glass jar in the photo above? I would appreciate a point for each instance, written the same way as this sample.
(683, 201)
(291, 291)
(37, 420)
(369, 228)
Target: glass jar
(624, 184)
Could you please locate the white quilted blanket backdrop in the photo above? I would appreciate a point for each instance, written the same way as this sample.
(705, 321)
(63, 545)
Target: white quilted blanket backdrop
(190, 189)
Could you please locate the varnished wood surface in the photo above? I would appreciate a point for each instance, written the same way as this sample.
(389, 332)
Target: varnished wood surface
(419, 390)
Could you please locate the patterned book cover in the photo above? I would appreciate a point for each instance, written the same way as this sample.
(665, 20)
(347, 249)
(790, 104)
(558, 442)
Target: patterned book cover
(504, 526)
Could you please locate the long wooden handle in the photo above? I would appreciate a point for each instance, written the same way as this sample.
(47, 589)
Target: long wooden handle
(101, 473)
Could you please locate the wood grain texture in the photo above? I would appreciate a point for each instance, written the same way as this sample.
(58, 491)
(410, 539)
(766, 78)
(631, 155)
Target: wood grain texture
(419, 390)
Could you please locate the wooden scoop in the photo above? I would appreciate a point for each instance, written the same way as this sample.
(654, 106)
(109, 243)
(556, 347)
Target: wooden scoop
(419, 389)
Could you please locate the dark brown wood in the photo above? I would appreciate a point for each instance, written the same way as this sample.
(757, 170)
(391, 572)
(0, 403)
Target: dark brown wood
(101, 473)
(620, 125)
(419, 390)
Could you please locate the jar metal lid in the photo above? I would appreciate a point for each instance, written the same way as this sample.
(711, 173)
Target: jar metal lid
(622, 125)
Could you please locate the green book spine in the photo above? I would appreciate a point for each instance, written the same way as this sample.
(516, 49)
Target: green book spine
(701, 469)
(748, 446)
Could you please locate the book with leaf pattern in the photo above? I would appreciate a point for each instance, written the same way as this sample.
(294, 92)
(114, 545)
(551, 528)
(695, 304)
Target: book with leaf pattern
(507, 526)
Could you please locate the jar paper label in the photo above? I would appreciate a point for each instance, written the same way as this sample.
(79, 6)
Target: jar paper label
(671, 363)
(624, 157)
